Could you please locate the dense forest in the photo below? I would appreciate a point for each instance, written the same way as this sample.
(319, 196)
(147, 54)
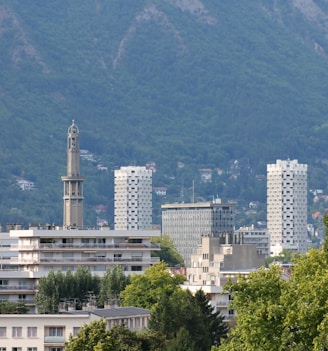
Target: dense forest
(226, 85)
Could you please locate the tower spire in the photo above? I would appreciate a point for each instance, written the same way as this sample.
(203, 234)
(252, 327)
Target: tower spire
(73, 182)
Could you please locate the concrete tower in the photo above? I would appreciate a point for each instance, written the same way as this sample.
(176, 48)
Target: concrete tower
(133, 198)
(287, 206)
(73, 182)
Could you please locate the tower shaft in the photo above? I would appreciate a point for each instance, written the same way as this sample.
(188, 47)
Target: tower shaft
(73, 182)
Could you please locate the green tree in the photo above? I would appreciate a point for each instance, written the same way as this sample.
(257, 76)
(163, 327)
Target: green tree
(91, 337)
(180, 310)
(7, 307)
(260, 312)
(146, 289)
(167, 253)
(277, 314)
(58, 286)
(213, 321)
(112, 283)
(182, 342)
(127, 340)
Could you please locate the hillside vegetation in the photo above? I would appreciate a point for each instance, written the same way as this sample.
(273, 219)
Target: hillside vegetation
(204, 83)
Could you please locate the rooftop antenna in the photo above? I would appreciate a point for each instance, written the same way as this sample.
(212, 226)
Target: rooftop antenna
(193, 191)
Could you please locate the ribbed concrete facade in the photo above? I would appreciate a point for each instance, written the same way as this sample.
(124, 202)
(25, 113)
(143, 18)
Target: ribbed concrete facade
(133, 198)
(287, 206)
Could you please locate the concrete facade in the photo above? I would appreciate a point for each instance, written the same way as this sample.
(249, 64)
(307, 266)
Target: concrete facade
(186, 223)
(73, 182)
(287, 206)
(215, 264)
(255, 236)
(133, 198)
(49, 332)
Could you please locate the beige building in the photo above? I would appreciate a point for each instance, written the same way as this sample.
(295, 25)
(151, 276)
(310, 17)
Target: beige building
(215, 264)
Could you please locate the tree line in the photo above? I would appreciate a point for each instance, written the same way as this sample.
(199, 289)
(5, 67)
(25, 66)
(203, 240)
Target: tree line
(179, 320)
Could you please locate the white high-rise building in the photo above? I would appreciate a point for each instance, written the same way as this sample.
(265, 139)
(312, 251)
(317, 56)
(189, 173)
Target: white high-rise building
(133, 198)
(287, 206)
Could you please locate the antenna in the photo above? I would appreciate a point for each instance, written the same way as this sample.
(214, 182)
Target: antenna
(193, 191)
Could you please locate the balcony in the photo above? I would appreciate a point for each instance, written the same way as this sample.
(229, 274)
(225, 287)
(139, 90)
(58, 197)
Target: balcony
(54, 340)
(87, 260)
(79, 247)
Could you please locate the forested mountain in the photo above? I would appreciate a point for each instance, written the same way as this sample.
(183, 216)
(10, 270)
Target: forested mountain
(231, 84)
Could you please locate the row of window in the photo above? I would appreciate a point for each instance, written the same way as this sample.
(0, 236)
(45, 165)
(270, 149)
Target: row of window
(32, 332)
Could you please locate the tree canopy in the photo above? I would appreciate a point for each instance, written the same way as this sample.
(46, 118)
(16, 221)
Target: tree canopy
(146, 289)
(167, 253)
(79, 288)
(278, 314)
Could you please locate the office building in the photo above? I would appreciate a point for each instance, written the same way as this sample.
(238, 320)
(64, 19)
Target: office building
(186, 223)
(287, 206)
(133, 198)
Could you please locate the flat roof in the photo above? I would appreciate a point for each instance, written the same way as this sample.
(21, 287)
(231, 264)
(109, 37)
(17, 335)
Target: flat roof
(196, 205)
(87, 233)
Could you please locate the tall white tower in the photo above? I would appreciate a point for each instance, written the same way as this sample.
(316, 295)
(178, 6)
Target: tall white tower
(73, 182)
(287, 206)
(133, 198)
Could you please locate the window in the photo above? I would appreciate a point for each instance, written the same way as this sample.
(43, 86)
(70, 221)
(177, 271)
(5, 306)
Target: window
(3, 332)
(56, 349)
(136, 268)
(75, 331)
(32, 349)
(3, 349)
(56, 331)
(16, 349)
(32, 332)
(17, 332)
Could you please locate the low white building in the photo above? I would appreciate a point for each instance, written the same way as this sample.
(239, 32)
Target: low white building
(49, 332)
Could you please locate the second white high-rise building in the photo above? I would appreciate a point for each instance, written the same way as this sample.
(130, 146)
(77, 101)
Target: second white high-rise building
(287, 206)
(133, 198)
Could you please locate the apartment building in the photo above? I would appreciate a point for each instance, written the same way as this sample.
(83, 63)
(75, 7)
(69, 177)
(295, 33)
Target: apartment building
(133, 198)
(287, 206)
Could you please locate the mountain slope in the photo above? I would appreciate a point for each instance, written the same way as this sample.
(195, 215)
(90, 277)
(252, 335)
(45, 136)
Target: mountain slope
(198, 82)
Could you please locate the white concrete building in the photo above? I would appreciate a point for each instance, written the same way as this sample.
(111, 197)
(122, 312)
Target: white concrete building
(49, 332)
(287, 206)
(186, 223)
(133, 198)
